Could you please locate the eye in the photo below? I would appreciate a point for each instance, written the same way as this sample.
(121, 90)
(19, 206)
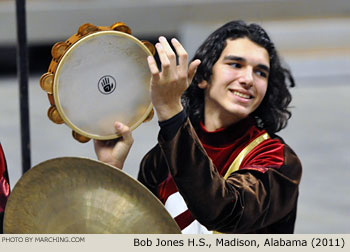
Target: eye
(235, 65)
(261, 73)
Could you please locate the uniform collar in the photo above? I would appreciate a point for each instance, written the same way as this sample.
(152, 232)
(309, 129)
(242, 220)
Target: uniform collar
(225, 136)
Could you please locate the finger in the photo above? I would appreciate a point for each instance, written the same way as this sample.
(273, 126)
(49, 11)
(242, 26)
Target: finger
(152, 64)
(124, 131)
(183, 57)
(192, 69)
(163, 59)
(168, 50)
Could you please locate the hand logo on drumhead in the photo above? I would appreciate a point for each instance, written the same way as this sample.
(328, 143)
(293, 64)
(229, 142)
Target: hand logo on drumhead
(107, 84)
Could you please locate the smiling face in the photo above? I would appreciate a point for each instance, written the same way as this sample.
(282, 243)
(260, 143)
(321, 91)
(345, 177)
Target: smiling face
(238, 83)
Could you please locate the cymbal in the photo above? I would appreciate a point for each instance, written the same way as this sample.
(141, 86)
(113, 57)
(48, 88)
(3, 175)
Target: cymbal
(73, 195)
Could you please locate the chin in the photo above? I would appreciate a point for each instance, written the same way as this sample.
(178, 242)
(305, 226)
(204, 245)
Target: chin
(239, 112)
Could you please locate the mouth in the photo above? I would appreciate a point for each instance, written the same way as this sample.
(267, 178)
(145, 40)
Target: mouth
(242, 95)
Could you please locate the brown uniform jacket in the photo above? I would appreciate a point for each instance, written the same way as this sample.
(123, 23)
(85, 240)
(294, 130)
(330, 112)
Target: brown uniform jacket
(249, 201)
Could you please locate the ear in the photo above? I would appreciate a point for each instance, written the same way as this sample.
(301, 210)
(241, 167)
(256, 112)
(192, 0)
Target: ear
(203, 84)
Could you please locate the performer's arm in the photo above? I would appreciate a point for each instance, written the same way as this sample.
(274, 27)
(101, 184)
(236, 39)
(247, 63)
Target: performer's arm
(153, 167)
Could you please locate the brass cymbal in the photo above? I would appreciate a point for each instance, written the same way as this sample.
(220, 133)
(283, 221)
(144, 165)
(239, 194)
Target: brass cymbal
(73, 195)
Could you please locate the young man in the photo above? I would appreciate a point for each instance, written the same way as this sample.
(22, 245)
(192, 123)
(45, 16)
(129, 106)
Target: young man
(4, 187)
(218, 165)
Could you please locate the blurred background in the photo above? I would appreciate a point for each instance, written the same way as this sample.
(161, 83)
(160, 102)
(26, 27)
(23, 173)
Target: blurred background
(313, 38)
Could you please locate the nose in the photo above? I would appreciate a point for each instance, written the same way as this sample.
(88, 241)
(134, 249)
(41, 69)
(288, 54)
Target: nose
(246, 78)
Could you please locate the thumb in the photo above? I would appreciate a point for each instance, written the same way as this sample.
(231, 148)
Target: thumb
(124, 131)
(192, 69)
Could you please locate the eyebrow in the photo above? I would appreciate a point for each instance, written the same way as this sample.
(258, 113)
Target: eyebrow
(237, 58)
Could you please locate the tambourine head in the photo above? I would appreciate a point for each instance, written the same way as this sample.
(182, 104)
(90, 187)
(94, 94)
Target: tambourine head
(103, 78)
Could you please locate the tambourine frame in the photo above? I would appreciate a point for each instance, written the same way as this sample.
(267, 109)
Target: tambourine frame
(55, 86)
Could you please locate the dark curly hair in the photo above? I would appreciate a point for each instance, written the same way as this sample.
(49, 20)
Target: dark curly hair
(272, 114)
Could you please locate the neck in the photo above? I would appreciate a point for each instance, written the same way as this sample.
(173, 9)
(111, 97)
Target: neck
(214, 120)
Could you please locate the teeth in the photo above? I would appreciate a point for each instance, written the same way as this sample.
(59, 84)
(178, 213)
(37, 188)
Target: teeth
(241, 95)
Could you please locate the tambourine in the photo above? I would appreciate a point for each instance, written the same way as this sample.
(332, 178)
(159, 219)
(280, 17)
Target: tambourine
(98, 76)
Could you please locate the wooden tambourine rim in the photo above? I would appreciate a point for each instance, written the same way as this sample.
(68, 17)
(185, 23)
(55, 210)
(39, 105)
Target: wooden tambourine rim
(55, 86)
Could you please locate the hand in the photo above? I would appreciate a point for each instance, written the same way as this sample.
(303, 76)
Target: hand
(114, 152)
(168, 86)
